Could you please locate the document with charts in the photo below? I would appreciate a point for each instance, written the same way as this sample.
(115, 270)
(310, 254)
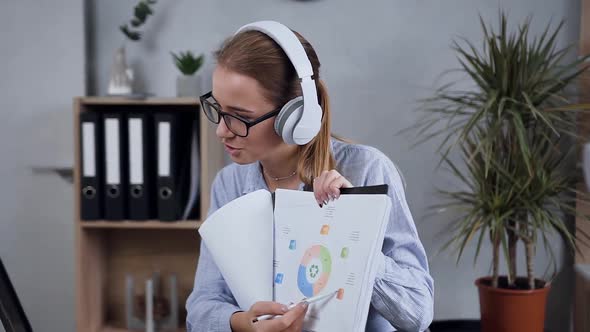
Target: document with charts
(299, 250)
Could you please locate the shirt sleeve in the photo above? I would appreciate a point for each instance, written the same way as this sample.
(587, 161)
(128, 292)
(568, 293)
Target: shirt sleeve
(404, 290)
(210, 304)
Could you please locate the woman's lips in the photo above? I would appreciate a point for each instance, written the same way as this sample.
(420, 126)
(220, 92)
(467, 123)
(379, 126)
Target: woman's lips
(231, 150)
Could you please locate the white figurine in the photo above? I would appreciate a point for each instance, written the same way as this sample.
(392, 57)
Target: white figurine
(121, 79)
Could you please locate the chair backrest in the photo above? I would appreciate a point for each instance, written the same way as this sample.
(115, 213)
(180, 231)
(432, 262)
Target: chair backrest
(12, 315)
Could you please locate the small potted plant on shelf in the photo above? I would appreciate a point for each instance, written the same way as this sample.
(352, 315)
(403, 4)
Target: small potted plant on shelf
(188, 84)
(513, 131)
(121, 79)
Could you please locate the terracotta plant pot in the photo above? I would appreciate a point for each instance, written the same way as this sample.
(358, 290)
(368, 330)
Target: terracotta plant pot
(509, 310)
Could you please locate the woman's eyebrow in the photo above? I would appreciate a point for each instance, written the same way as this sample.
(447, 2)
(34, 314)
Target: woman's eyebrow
(233, 108)
(239, 109)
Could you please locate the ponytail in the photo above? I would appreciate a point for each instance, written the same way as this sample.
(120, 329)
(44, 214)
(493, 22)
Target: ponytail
(316, 156)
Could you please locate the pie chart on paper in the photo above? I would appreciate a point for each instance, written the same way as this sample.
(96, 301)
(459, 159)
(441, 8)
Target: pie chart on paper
(314, 270)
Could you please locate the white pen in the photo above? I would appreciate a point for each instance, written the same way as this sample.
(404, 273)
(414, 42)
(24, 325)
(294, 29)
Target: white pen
(293, 305)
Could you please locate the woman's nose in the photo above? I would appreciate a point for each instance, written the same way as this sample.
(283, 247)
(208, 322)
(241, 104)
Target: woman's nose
(222, 131)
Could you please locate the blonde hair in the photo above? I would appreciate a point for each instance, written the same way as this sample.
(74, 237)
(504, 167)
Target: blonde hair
(254, 54)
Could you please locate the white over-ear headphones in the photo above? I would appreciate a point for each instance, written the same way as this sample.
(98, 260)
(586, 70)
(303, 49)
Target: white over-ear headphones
(300, 119)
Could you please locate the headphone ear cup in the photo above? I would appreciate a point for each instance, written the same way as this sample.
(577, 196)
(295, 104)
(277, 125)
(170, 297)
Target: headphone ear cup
(288, 118)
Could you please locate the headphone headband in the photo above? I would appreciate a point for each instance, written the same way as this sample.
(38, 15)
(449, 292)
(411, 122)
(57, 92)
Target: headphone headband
(288, 42)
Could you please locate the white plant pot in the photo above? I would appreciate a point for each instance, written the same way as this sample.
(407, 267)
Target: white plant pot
(188, 86)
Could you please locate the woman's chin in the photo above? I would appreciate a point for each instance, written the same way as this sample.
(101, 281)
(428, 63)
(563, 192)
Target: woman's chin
(241, 160)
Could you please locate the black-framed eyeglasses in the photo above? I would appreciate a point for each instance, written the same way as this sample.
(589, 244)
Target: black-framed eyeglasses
(236, 124)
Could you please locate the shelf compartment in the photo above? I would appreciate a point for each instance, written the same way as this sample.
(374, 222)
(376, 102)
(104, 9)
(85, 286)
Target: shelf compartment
(111, 255)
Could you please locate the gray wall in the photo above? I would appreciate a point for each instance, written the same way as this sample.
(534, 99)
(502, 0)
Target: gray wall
(42, 67)
(378, 57)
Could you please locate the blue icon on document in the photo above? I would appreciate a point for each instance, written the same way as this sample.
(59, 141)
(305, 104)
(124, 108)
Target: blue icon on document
(279, 278)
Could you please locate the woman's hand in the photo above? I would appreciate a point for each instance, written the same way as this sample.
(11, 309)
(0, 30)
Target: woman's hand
(327, 186)
(290, 321)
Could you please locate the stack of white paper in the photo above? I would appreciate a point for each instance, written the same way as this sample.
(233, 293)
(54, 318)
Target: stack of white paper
(239, 237)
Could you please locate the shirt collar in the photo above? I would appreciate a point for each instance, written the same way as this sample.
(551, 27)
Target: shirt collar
(255, 180)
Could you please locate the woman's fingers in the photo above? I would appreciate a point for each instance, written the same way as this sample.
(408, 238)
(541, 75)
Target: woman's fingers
(327, 186)
(320, 186)
(290, 322)
(268, 308)
(317, 185)
(333, 188)
(297, 324)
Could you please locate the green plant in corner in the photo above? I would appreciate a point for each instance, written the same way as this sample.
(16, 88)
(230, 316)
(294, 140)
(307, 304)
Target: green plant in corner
(187, 62)
(513, 130)
(141, 12)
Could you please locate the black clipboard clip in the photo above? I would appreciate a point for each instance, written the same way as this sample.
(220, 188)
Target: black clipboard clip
(380, 189)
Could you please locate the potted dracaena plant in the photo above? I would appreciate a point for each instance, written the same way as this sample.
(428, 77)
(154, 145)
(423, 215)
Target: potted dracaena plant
(188, 84)
(512, 131)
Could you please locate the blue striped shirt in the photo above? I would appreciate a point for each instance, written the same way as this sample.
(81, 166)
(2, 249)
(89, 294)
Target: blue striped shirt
(403, 295)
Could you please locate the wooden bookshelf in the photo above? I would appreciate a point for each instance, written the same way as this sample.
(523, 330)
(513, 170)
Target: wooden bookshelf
(106, 251)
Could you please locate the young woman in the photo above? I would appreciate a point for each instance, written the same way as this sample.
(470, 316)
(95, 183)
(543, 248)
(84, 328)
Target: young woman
(261, 70)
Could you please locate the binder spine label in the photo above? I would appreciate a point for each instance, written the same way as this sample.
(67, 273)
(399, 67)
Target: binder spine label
(112, 151)
(136, 151)
(164, 149)
(88, 150)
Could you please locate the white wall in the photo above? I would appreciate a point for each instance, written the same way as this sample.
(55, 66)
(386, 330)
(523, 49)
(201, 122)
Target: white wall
(41, 68)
